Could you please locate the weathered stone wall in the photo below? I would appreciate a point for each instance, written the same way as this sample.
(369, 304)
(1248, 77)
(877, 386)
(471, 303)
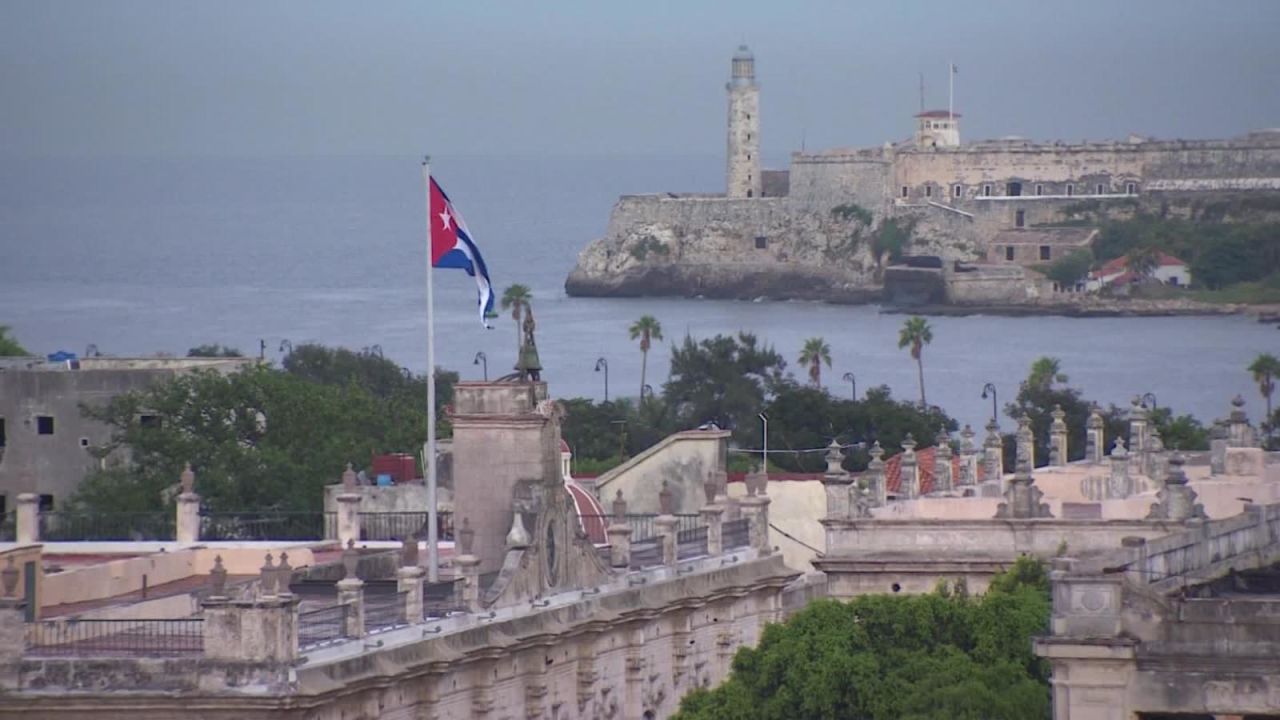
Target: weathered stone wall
(743, 155)
(683, 460)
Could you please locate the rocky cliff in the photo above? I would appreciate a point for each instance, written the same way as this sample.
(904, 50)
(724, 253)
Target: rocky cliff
(718, 247)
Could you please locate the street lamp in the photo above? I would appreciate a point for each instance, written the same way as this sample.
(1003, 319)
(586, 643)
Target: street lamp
(1152, 397)
(602, 364)
(482, 358)
(285, 344)
(764, 447)
(994, 403)
(852, 381)
(647, 389)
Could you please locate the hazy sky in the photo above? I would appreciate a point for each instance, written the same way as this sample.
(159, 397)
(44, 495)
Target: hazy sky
(617, 76)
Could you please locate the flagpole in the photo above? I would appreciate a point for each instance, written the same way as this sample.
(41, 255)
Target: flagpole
(951, 92)
(433, 552)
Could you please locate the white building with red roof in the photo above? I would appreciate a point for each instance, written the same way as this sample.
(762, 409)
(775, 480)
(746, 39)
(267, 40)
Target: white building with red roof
(1116, 273)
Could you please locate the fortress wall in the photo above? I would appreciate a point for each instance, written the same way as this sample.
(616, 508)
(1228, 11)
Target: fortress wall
(831, 180)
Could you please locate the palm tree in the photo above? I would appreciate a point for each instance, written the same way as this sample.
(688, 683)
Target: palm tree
(1045, 371)
(1266, 369)
(915, 334)
(647, 328)
(815, 352)
(516, 297)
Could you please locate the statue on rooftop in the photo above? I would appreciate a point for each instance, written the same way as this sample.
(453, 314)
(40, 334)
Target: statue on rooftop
(527, 365)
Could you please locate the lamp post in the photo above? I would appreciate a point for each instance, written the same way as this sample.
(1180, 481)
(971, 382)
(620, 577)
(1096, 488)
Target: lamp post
(286, 344)
(602, 364)
(764, 446)
(481, 358)
(991, 388)
(1152, 397)
(852, 381)
(646, 389)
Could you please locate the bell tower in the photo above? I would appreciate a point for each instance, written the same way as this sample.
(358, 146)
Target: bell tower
(743, 165)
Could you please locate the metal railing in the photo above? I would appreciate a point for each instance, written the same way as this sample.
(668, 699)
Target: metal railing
(691, 543)
(642, 524)
(384, 611)
(70, 525)
(736, 533)
(322, 626)
(106, 638)
(646, 553)
(400, 525)
(267, 525)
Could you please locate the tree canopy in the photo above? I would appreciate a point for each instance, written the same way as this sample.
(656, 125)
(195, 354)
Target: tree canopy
(9, 345)
(939, 656)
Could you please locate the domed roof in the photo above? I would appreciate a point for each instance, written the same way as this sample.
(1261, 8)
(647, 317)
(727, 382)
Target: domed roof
(564, 446)
(744, 53)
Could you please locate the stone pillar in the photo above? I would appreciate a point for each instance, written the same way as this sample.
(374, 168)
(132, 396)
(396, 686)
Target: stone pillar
(1157, 458)
(27, 522)
(257, 629)
(188, 528)
(942, 481)
(993, 455)
(1137, 427)
(908, 470)
(1177, 501)
(1025, 441)
(12, 623)
(876, 486)
(835, 483)
(756, 509)
(1058, 437)
(666, 529)
(1095, 445)
(619, 535)
(1239, 434)
(351, 594)
(468, 567)
(968, 458)
(348, 509)
(1022, 498)
(713, 518)
(1120, 484)
(409, 581)
(1218, 440)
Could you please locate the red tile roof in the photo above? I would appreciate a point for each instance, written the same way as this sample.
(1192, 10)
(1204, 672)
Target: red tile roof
(1121, 264)
(926, 459)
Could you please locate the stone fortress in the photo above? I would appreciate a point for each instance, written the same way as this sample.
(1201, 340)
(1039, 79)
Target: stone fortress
(975, 213)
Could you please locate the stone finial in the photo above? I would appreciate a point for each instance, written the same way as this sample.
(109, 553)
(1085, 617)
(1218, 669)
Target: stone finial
(348, 480)
(666, 500)
(876, 453)
(1117, 450)
(908, 444)
(993, 435)
(467, 536)
(218, 578)
(1059, 423)
(876, 490)
(1022, 497)
(267, 576)
(188, 480)
(1157, 443)
(1176, 500)
(966, 439)
(350, 560)
(517, 537)
(1137, 410)
(619, 508)
(1120, 484)
(1095, 421)
(834, 458)
(1176, 475)
(284, 574)
(409, 551)
(9, 578)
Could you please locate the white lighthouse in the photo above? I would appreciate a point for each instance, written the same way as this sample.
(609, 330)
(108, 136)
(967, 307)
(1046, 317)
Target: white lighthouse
(743, 165)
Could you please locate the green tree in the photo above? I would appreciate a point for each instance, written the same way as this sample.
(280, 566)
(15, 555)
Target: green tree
(1068, 270)
(915, 334)
(213, 350)
(1143, 261)
(890, 240)
(516, 298)
(9, 345)
(258, 439)
(815, 352)
(1265, 369)
(725, 380)
(883, 657)
(647, 328)
(1182, 432)
(1045, 371)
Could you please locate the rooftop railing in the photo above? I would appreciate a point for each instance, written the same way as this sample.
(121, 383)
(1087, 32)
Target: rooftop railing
(71, 525)
(267, 525)
(322, 626)
(736, 533)
(115, 638)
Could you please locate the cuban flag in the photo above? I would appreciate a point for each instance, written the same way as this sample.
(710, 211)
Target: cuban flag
(451, 247)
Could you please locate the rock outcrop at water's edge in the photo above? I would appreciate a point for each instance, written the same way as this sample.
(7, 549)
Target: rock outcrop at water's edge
(718, 247)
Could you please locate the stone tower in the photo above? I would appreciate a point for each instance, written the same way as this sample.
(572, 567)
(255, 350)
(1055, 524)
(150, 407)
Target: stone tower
(743, 171)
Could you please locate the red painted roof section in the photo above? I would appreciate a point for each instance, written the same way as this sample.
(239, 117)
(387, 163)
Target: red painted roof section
(926, 460)
(590, 512)
(937, 114)
(1121, 264)
(564, 446)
